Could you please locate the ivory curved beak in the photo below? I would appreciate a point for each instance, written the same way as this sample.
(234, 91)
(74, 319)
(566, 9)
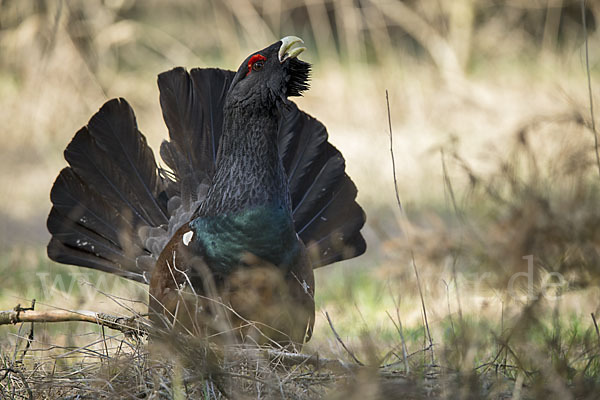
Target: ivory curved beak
(287, 49)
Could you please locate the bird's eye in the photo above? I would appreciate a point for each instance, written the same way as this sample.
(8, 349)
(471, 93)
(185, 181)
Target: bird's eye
(258, 65)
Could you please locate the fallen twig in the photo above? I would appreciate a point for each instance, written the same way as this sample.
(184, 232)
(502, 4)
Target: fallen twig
(131, 325)
(339, 339)
(18, 373)
(404, 226)
(290, 358)
(589, 81)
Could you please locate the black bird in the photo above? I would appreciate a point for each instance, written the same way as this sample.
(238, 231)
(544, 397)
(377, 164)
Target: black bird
(253, 199)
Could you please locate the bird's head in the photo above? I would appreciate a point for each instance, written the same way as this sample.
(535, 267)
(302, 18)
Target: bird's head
(270, 75)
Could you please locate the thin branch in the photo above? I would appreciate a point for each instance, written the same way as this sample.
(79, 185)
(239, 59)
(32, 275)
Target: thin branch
(396, 363)
(455, 253)
(589, 79)
(404, 226)
(396, 191)
(290, 358)
(402, 344)
(449, 187)
(400, 331)
(127, 325)
(339, 339)
(21, 377)
(596, 325)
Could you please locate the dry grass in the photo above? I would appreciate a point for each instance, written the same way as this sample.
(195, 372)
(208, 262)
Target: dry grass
(495, 162)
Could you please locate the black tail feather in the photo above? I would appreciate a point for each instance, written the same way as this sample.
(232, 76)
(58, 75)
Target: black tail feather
(192, 105)
(111, 155)
(71, 197)
(111, 190)
(69, 255)
(70, 233)
(114, 129)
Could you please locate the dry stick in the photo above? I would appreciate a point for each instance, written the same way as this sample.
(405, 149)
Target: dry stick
(285, 357)
(448, 184)
(123, 324)
(404, 352)
(589, 79)
(596, 325)
(400, 331)
(449, 187)
(29, 341)
(29, 337)
(395, 363)
(505, 360)
(105, 345)
(290, 358)
(339, 339)
(404, 227)
(449, 309)
(20, 375)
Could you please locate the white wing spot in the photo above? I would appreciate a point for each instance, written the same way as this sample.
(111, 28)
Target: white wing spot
(187, 237)
(305, 287)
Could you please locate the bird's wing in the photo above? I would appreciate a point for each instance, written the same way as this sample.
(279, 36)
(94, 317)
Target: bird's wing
(326, 215)
(192, 107)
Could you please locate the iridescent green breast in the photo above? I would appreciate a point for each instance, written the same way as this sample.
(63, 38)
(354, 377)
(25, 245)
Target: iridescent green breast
(265, 231)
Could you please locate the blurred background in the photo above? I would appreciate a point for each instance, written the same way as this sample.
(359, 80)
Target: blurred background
(492, 136)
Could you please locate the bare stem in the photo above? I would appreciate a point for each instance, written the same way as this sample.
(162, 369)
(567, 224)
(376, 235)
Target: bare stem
(123, 324)
(589, 79)
(404, 226)
(339, 339)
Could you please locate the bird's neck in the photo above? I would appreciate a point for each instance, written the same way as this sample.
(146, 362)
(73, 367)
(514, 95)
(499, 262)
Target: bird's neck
(249, 172)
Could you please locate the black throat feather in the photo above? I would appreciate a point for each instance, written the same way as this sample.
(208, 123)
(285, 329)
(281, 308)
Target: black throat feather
(299, 76)
(249, 171)
(248, 206)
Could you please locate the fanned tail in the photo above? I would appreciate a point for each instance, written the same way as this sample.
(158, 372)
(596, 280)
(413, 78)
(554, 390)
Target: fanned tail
(114, 209)
(111, 189)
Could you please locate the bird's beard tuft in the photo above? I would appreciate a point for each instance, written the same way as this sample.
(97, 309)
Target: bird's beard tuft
(299, 73)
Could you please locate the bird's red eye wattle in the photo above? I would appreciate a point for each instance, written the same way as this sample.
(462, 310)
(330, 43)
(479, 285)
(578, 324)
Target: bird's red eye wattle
(256, 63)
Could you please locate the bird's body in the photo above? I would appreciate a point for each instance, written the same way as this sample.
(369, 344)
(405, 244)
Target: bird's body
(256, 198)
